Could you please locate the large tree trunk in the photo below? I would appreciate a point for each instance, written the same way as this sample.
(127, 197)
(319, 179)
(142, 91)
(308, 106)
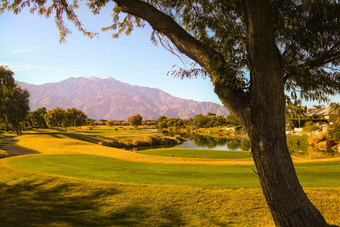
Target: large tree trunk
(286, 199)
(262, 110)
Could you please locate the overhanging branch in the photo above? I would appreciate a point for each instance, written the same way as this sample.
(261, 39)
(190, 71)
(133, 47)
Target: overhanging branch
(227, 86)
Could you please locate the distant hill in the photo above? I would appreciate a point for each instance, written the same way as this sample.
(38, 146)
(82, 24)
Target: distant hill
(109, 98)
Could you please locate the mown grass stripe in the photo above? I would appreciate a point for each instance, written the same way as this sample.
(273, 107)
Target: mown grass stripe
(205, 176)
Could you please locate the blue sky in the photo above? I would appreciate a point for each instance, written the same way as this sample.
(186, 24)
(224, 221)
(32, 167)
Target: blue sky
(29, 45)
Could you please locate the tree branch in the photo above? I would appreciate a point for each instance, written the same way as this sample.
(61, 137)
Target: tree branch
(326, 58)
(226, 84)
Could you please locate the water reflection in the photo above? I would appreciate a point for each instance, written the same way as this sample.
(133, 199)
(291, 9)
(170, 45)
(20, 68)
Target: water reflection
(213, 143)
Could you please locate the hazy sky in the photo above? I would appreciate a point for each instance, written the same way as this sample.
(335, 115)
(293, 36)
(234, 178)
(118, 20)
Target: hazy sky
(29, 45)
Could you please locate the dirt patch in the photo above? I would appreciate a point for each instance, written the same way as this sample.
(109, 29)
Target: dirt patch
(8, 144)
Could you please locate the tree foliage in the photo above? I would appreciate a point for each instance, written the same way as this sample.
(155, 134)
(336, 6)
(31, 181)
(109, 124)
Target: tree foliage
(14, 101)
(135, 120)
(36, 118)
(58, 117)
(199, 121)
(55, 117)
(110, 123)
(162, 122)
(334, 131)
(307, 36)
(309, 126)
(335, 108)
(76, 117)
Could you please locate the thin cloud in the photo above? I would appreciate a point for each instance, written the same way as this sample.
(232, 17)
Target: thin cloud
(23, 67)
(22, 51)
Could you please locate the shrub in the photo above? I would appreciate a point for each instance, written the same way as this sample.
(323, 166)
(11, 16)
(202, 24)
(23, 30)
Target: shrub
(310, 127)
(297, 139)
(153, 140)
(334, 131)
(140, 143)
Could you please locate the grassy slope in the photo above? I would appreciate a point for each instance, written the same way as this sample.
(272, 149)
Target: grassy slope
(197, 153)
(36, 199)
(207, 176)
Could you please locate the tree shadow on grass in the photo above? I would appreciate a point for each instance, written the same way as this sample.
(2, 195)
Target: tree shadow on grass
(84, 138)
(50, 202)
(8, 144)
(71, 135)
(95, 139)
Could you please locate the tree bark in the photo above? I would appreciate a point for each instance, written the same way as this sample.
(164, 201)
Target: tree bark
(286, 199)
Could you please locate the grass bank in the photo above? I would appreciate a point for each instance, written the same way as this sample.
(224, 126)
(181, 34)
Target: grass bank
(126, 137)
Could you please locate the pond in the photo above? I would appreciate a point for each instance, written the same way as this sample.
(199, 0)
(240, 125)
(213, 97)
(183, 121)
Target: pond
(212, 143)
(215, 143)
(227, 144)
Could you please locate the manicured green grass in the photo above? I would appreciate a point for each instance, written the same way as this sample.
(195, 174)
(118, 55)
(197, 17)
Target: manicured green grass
(325, 174)
(197, 153)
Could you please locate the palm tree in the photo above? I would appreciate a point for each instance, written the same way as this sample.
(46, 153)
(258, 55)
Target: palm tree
(336, 108)
(298, 110)
(318, 106)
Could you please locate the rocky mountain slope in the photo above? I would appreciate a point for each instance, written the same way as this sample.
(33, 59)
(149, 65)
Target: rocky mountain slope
(109, 98)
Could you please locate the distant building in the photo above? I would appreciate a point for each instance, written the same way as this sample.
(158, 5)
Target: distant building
(99, 123)
(323, 113)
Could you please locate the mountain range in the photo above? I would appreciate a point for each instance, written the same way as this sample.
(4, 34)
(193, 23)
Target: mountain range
(108, 98)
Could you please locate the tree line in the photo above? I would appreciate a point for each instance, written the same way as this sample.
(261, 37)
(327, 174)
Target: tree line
(56, 118)
(15, 111)
(199, 121)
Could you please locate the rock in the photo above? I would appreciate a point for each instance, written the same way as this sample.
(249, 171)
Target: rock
(103, 143)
